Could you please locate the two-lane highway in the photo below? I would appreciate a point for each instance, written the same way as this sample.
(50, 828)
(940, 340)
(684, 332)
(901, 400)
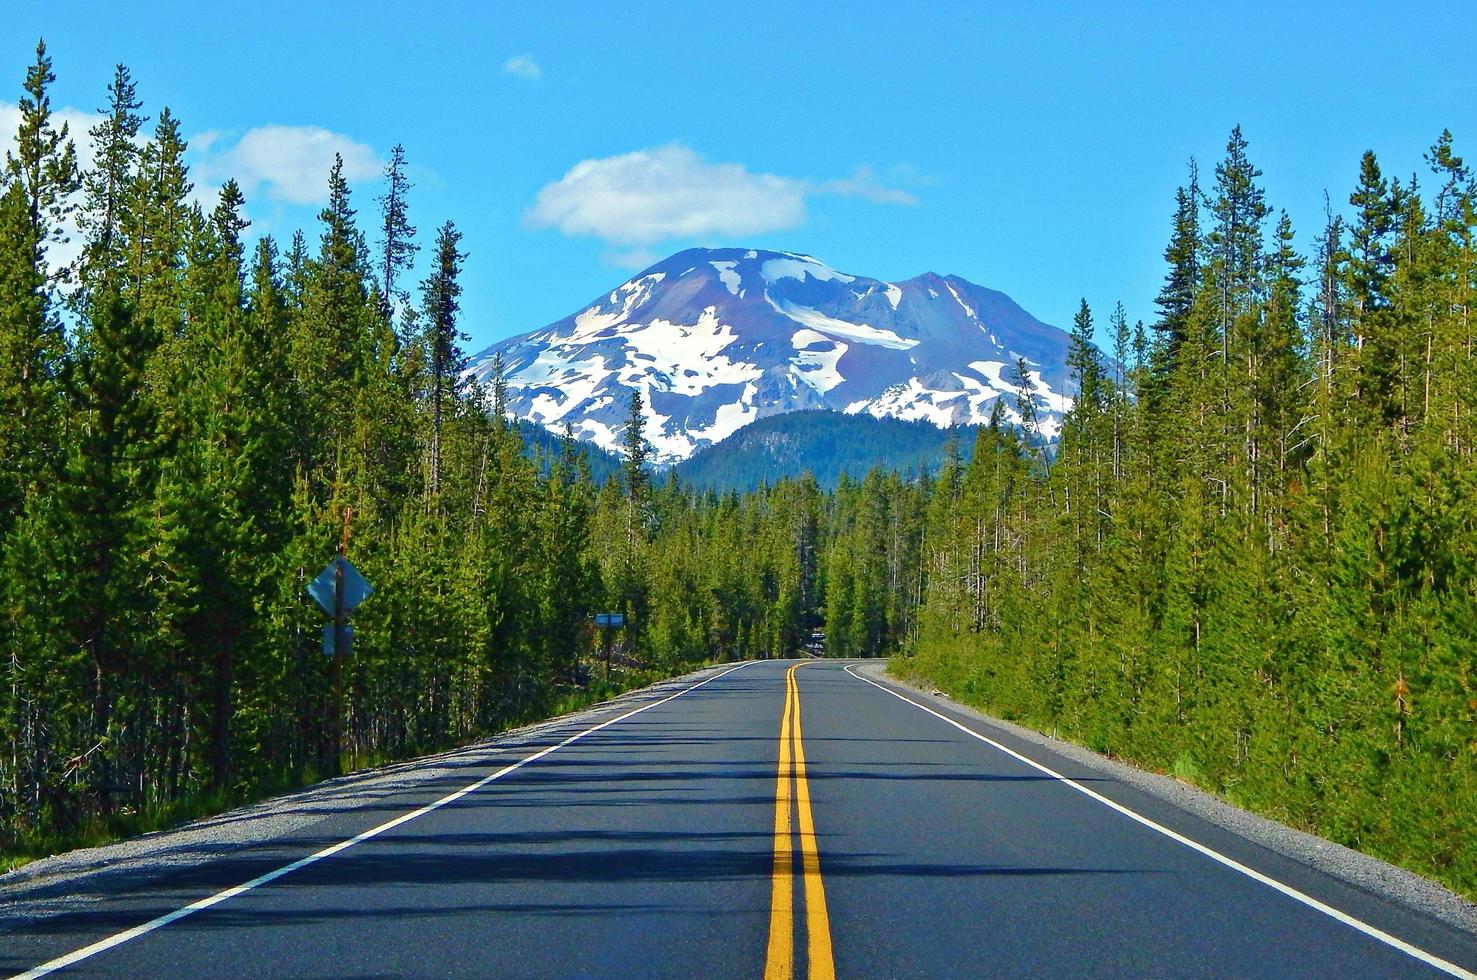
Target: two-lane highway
(771, 819)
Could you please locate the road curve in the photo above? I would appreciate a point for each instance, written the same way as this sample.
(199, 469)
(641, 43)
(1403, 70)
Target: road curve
(774, 819)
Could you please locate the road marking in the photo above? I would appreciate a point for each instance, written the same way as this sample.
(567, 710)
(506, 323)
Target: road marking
(1375, 933)
(817, 922)
(780, 959)
(120, 938)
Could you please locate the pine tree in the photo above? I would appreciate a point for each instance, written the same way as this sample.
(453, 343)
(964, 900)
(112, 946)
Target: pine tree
(32, 358)
(1120, 392)
(36, 193)
(397, 234)
(43, 167)
(157, 226)
(1279, 375)
(627, 575)
(1368, 272)
(1025, 401)
(633, 442)
(331, 338)
(1235, 239)
(115, 146)
(108, 484)
(1182, 281)
(1082, 360)
(442, 291)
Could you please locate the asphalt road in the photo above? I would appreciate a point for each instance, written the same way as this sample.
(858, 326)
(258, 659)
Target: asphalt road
(767, 821)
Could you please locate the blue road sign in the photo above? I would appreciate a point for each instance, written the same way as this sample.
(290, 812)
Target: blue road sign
(356, 589)
(610, 620)
(330, 645)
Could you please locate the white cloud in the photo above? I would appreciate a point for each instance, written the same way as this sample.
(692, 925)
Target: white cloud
(286, 164)
(640, 198)
(523, 66)
(864, 184)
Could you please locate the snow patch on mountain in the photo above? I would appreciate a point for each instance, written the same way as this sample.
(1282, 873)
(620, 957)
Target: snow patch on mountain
(955, 293)
(798, 267)
(862, 332)
(817, 355)
(729, 278)
(914, 401)
(589, 323)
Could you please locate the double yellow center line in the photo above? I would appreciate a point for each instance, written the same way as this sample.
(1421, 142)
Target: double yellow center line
(792, 792)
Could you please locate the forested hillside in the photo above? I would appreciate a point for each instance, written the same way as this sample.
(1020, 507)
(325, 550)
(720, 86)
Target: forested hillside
(823, 444)
(1252, 560)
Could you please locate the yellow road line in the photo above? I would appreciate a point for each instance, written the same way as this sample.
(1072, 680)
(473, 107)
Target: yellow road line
(817, 922)
(780, 959)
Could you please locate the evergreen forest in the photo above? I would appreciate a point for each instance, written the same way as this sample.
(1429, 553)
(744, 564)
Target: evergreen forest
(1250, 560)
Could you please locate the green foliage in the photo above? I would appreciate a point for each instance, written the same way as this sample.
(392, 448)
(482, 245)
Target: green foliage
(1250, 564)
(177, 469)
(219, 424)
(1251, 561)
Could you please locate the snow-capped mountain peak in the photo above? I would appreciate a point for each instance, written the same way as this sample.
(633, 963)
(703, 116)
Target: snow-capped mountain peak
(717, 338)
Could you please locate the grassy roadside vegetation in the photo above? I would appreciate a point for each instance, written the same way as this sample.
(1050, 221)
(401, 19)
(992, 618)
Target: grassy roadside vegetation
(204, 804)
(1445, 825)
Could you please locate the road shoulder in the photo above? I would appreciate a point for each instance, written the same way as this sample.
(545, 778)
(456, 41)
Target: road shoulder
(1387, 881)
(76, 880)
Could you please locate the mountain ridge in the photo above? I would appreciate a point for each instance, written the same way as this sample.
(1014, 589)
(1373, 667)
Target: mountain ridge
(715, 339)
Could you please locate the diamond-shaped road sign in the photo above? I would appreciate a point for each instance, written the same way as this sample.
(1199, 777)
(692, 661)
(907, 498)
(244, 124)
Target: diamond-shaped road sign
(356, 589)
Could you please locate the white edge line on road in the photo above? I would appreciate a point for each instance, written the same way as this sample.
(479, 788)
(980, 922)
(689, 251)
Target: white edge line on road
(117, 939)
(1308, 900)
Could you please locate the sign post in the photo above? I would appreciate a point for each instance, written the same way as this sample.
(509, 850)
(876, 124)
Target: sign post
(609, 622)
(339, 589)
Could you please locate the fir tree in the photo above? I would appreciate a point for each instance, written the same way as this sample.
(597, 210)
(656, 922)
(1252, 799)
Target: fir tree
(115, 145)
(43, 167)
(1183, 279)
(397, 234)
(35, 201)
(442, 292)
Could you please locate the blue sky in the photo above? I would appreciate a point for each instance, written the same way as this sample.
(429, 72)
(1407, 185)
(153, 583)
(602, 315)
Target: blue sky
(1035, 151)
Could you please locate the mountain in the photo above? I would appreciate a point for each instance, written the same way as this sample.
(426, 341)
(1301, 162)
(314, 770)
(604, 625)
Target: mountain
(824, 444)
(718, 338)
